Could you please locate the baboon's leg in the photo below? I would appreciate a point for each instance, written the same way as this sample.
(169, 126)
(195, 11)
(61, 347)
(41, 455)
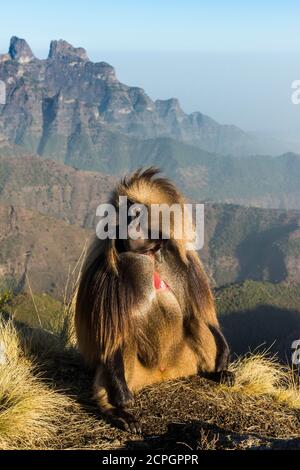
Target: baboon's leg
(112, 395)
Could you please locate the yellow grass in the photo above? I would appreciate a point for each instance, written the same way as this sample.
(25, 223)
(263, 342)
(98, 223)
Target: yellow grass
(31, 413)
(67, 332)
(258, 374)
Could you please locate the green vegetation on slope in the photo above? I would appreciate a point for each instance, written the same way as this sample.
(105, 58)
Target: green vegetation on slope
(250, 294)
(260, 315)
(36, 310)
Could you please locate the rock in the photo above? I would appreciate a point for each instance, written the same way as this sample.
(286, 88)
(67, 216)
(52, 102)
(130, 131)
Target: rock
(94, 106)
(98, 115)
(19, 50)
(62, 50)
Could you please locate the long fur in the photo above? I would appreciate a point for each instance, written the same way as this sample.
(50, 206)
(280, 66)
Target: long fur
(104, 304)
(106, 297)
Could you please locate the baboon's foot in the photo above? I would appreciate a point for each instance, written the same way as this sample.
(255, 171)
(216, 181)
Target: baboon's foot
(126, 421)
(225, 377)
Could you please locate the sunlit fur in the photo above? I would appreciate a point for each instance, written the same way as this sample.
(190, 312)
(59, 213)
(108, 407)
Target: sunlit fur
(108, 301)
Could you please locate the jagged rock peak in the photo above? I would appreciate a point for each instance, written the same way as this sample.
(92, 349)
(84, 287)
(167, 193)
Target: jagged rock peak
(19, 50)
(170, 105)
(63, 50)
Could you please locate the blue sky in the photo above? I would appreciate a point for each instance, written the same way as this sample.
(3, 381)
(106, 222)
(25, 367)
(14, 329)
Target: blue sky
(204, 25)
(233, 60)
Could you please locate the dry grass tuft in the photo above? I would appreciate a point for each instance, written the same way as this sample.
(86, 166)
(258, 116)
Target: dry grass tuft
(31, 413)
(44, 395)
(67, 331)
(262, 375)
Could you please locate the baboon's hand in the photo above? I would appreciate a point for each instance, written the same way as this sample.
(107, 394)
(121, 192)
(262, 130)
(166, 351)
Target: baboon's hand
(122, 397)
(225, 377)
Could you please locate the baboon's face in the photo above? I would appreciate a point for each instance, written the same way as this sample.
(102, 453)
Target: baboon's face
(139, 226)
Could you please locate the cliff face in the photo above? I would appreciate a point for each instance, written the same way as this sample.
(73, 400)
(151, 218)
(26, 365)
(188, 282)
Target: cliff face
(69, 108)
(37, 248)
(53, 189)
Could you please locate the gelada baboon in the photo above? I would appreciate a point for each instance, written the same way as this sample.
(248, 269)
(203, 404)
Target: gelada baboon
(144, 311)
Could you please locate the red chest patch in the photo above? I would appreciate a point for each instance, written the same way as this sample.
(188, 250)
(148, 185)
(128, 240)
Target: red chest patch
(159, 283)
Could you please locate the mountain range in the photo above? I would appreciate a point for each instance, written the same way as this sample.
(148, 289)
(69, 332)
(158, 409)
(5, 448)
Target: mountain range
(69, 128)
(70, 108)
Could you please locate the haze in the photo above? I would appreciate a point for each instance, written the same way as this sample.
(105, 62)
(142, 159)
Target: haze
(232, 61)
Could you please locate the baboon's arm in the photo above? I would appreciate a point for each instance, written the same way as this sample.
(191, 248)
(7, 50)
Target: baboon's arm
(221, 373)
(117, 389)
(222, 359)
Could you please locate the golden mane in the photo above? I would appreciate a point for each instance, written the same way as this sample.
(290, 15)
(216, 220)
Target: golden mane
(106, 296)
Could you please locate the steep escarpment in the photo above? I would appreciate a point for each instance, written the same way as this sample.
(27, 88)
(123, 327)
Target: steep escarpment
(37, 250)
(68, 108)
